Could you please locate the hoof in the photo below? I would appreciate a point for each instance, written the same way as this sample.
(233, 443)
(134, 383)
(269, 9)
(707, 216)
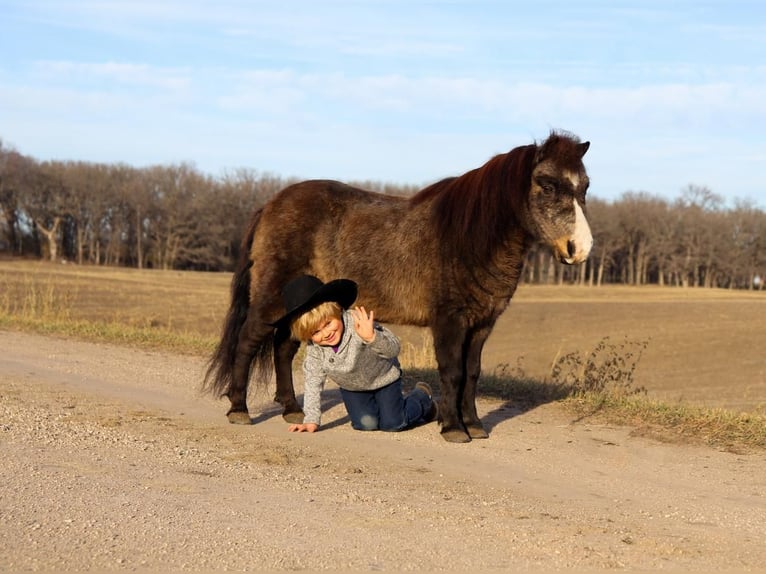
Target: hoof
(476, 431)
(239, 418)
(456, 436)
(295, 417)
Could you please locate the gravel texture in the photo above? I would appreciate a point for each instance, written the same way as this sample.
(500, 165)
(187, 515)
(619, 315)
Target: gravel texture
(112, 460)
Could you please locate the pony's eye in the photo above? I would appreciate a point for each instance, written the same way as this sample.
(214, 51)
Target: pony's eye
(548, 186)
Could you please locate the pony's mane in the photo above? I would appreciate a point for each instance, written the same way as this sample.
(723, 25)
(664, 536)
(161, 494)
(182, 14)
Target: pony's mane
(477, 209)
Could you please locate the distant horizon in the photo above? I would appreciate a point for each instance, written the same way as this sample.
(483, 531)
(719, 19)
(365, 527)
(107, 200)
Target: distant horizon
(395, 92)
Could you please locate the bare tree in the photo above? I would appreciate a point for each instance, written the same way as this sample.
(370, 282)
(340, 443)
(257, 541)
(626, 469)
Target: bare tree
(605, 231)
(45, 201)
(695, 234)
(84, 183)
(631, 215)
(15, 173)
(174, 192)
(747, 227)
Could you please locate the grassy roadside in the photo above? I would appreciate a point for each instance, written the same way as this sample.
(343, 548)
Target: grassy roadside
(42, 307)
(596, 383)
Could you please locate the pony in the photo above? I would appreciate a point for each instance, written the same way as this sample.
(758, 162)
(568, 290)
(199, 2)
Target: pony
(448, 258)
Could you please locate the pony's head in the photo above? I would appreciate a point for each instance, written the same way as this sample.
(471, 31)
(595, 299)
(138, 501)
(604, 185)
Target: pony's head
(556, 200)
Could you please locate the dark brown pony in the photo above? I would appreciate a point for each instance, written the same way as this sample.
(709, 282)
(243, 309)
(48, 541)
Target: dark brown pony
(448, 258)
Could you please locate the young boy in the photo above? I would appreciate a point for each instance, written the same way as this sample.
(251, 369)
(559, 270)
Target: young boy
(357, 353)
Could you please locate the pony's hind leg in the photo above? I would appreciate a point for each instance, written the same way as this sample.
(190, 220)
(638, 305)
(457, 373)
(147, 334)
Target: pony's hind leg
(237, 393)
(284, 352)
(254, 344)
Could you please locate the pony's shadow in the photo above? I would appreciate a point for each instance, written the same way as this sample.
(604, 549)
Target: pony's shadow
(506, 411)
(330, 398)
(518, 396)
(519, 404)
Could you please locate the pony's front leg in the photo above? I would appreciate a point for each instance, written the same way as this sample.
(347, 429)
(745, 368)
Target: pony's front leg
(284, 352)
(448, 346)
(473, 372)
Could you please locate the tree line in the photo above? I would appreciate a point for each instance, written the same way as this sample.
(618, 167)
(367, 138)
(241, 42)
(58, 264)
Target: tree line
(175, 217)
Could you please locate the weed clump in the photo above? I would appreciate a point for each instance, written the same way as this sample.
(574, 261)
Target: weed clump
(607, 369)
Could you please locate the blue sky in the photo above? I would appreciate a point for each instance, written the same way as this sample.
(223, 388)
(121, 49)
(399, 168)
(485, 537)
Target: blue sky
(669, 93)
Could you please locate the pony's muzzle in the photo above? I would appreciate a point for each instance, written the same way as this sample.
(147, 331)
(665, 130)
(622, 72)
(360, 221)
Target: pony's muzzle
(575, 248)
(569, 252)
(573, 251)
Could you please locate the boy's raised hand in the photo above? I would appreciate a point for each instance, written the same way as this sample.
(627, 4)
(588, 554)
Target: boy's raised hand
(363, 323)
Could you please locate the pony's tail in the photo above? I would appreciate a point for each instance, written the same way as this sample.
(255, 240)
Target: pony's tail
(219, 375)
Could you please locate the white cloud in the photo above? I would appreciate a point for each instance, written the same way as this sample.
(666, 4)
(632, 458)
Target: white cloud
(649, 107)
(121, 73)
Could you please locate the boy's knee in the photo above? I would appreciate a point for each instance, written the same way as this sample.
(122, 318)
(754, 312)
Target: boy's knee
(368, 422)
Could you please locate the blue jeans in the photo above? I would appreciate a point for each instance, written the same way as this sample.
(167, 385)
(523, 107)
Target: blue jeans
(385, 408)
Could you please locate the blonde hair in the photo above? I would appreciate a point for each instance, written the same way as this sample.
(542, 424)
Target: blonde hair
(306, 324)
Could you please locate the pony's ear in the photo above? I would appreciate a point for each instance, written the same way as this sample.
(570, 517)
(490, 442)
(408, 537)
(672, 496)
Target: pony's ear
(583, 147)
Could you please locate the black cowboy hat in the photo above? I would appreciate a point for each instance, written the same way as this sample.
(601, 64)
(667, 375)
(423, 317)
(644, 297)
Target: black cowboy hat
(305, 292)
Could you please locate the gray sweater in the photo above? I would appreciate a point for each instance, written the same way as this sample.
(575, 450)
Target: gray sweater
(356, 366)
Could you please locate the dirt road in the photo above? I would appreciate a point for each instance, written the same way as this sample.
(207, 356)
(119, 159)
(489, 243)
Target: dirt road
(111, 460)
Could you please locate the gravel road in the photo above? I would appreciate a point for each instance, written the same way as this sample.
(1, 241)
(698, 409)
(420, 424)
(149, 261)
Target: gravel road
(113, 461)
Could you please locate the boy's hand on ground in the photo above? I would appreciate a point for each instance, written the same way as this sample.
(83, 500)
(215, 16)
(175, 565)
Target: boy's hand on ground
(364, 323)
(303, 427)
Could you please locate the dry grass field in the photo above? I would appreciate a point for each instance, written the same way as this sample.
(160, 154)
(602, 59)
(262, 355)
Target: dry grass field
(699, 347)
(704, 347)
